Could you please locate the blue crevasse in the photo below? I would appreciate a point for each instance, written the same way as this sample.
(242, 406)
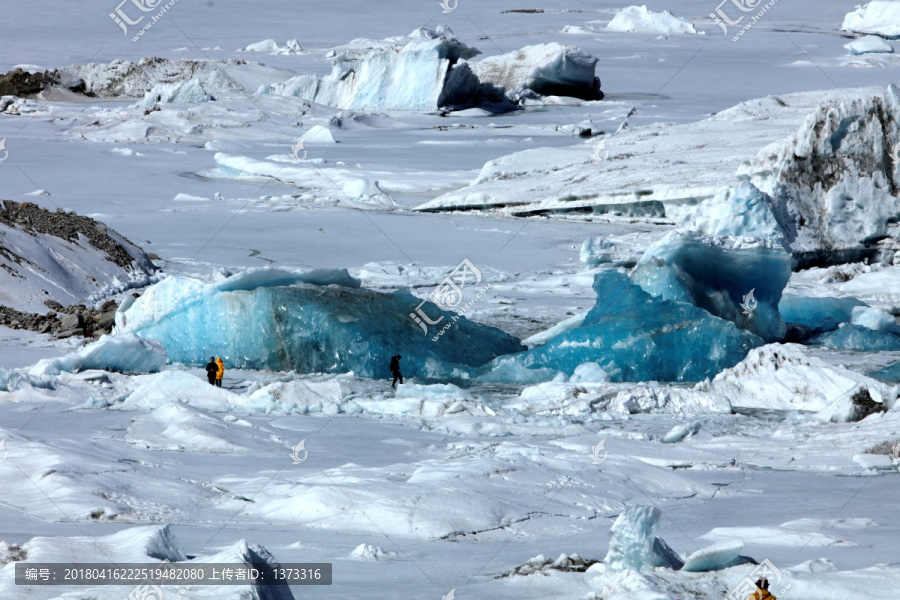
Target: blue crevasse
(280, 320)
(634, 336)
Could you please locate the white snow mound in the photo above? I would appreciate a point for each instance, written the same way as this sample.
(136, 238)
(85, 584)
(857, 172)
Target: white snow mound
(637, 19)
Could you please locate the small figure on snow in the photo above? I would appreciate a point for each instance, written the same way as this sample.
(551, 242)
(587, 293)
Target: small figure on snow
(395, 370)
(211, 369)
(220, 371)
(762, 591)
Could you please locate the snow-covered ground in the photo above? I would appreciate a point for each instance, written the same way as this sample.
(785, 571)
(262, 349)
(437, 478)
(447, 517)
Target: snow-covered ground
(349, 135)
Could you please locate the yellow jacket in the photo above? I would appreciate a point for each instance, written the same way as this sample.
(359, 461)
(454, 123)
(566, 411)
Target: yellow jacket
(221, 372)
(761, 595)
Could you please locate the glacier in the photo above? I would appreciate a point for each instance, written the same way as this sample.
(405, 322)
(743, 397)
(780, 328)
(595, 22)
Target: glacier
(634, 336)
(321, 321)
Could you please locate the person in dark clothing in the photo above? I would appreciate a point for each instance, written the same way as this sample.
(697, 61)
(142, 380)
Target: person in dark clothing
(211, 369)
(395, 370)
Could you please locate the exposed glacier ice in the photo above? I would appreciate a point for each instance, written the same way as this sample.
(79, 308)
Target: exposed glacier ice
(817, 314)
(281, 320)
(716, 557)
(729, 277)
(636, 337)
(858, 338)
(634, 544)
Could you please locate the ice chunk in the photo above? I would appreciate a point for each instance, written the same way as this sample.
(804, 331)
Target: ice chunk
(876, 319)
(272, 47)
(817, 314)
(636, 337)
(10, 380)
(856, 337)
(421, 72)
(589, 372)
(547, 69)
(875, 462)
(634, 544)
(271, 319)
(716, 557)
(869, 44)
(595, 251)
(298, 397)
(318, 134)
(732, 278)
(834, 176)
(542, 337)
(184, 92)
(637, 19)
(741, 211)
(881, 17)
(679, 433)
(665, 399)
(125, 353)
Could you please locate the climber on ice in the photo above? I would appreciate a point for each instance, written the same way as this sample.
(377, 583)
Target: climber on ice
(211, 369)
(220, 371)
(395, 370)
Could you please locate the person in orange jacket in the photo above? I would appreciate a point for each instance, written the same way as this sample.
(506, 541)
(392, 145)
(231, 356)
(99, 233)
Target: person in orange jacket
(220, 372)
(762, 591)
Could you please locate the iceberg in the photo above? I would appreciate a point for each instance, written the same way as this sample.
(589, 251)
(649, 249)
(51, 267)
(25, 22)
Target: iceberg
(637, 19)
(126, 353)
(817, 314)
(881, 17)
(732, 278)
(634, 544)
(424, 71)
(634, 336)
(741, 211)
(546, 69)
(282, 320)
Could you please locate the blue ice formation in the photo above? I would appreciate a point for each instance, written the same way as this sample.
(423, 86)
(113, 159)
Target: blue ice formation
(890, 373)
(817, 314)
(321, 321)
(859, 338)
(718, 276)
(634, 336)
(634, 545)
(870, 329)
